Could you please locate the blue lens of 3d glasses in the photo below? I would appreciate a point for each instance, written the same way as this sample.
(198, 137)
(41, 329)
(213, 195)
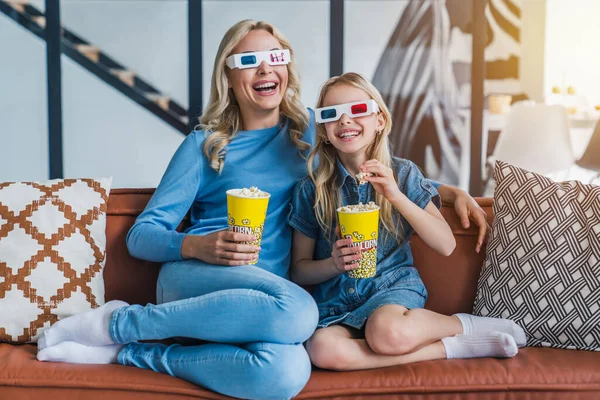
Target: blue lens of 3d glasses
(248, 60)
(327, 114)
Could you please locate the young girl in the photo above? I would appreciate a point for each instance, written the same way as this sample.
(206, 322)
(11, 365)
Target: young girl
(378, 321)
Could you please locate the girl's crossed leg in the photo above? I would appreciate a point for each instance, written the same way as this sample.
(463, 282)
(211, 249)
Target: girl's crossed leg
(395, 335)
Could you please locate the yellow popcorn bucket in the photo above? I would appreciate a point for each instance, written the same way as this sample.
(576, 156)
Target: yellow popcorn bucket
(363, 228)
(247, 215)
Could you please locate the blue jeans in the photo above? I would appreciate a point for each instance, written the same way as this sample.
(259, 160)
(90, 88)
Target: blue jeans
(257, 321)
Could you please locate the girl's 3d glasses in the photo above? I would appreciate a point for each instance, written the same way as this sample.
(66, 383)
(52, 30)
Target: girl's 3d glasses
(353, 110)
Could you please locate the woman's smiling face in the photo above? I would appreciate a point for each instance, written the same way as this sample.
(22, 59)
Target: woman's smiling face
(261, 88)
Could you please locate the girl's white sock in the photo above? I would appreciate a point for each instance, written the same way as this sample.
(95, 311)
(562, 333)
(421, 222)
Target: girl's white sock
(473, 325)
(494, 344)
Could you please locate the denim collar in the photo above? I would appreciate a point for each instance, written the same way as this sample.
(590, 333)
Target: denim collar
(343, 173)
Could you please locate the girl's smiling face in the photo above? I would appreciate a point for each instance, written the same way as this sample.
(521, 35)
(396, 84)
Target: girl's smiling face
(351, 135)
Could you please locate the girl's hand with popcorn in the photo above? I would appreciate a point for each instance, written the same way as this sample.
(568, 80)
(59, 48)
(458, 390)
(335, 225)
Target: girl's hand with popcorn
(382, 178)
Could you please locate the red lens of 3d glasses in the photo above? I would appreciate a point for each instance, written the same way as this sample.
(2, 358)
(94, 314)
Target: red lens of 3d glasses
(359, 108)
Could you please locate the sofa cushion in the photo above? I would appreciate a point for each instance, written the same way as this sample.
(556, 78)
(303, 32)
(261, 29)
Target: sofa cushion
(52, 253)
(534, 370)
(542, 266)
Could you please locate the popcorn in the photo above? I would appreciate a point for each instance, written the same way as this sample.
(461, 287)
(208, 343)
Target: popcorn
(246, 213)
(360, 207)
(253, 192)
(360, 222)
(360, 177)
(367, 265)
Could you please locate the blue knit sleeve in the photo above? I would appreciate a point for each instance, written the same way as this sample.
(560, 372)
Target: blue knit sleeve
(154, 237)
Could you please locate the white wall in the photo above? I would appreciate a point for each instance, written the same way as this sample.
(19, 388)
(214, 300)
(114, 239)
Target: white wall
(364, 44)
(23, 105)
(106, 134)
(304, 23)
(572, 47)
(149, 37)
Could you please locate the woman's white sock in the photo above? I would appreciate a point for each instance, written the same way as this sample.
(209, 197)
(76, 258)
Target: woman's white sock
(72, 352)
(90, 328)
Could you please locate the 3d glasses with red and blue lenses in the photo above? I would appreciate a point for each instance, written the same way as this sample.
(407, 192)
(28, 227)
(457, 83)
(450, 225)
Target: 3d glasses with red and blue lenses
(353, 110)
(253, 59)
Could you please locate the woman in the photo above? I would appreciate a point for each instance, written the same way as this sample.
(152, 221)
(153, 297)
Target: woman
(257, 133)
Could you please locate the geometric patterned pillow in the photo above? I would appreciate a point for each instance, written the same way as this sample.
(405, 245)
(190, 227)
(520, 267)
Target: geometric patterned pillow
(52, 253)
(542, 266)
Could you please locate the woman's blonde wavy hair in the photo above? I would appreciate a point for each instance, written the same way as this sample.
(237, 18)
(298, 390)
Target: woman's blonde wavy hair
(325, 177)
(222, 119)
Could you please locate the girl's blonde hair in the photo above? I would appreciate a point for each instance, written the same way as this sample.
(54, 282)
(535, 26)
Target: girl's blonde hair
(326, 175)
(222, 120)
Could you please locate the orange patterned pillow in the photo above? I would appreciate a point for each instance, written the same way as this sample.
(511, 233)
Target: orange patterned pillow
(52, 253)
